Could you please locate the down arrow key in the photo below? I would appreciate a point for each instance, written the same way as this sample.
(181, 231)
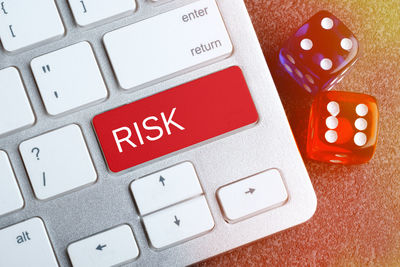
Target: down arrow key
(177, 222)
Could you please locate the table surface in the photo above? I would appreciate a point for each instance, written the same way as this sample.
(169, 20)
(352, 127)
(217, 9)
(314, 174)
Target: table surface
(358, 216)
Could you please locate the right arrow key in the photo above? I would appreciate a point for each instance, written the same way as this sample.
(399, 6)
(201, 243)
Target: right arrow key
(250, 191)
(253, 195)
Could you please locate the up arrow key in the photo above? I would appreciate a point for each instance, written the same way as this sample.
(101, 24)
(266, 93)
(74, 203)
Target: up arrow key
(162, 179)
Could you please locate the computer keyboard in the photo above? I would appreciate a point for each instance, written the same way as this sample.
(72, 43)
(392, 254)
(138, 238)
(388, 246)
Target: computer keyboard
(139, 133)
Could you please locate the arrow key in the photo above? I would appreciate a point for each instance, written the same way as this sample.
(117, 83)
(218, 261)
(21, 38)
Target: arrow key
(112, 247)
(253, 195)
(166, 187)
(250, 191)
(179, 223)
(100, 247)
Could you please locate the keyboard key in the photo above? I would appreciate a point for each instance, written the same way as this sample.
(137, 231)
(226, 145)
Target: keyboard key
(10, 195)
(109, 248)
(87, 12)
(15, 110)
(58, 162)
(166, 187)
(66, 83)
(179, 39)
(26, 244)
(24, 23)
(179, 223)
(252, 195)
(175, 119)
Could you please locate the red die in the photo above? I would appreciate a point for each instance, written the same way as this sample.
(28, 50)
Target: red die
(343, 128)
(319, 54)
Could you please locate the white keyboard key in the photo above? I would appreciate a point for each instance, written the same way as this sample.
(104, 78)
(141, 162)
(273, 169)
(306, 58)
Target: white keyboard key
(26, 244)
(15, 110)
(69, 78)
(24, 23)
(10, 195)
(179, 223)
(109, 248)
(166, 187)
(252, 195)
(58, 162)
(87, 12)
(180, 39)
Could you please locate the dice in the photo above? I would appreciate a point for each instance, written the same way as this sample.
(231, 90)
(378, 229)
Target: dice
(343, 128)
(320, 53)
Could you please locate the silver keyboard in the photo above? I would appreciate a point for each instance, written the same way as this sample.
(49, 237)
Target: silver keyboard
(144, 133)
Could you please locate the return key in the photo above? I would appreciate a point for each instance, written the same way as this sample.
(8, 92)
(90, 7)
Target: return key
(181, 39)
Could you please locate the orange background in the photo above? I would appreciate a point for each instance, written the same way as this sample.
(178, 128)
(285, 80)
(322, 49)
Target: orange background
(357, 221)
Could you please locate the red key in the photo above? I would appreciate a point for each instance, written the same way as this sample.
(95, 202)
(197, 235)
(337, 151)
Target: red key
(175, 119)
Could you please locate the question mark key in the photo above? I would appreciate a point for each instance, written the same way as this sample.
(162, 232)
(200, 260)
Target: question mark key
(36, 152)
(65, 163)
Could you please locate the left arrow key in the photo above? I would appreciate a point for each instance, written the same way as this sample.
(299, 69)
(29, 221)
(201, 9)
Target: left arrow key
(120, 241)
(100, 247)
